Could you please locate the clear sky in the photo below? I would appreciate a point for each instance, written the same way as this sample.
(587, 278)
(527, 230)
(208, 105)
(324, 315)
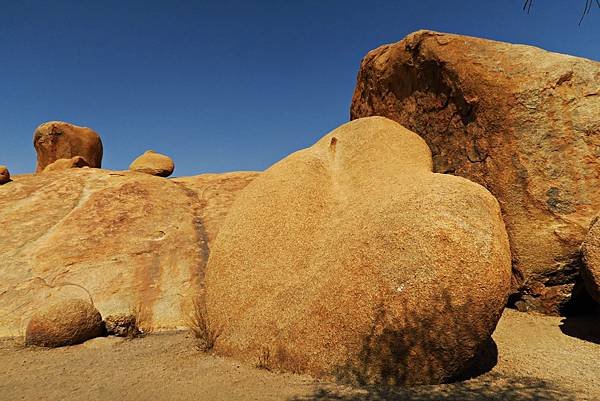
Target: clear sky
(225, 85)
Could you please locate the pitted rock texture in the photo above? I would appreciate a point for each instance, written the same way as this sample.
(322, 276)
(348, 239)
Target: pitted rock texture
(521, 121)
(129, 241)
(60, 140)
(215, 193)
(67, 322)
(351, 259)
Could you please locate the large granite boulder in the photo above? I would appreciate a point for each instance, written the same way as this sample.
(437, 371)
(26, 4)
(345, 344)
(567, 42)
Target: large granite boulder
(67, 322)
(351, 259)
(130, 241)
(59, 140)
(516, 119)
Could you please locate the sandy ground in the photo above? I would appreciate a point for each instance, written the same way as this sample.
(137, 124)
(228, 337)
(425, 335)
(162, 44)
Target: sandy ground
(540, 358)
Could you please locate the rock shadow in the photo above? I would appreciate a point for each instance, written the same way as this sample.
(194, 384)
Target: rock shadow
(585, 327)
(491, 387)
(427, 345)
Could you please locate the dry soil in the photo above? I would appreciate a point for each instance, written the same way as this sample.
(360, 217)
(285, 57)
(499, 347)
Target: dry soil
(539, 358)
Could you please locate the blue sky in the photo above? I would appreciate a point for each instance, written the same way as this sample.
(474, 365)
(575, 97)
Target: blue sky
(224, 85)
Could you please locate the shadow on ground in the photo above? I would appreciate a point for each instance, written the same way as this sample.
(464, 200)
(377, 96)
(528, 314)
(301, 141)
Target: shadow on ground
(583, 327)
(491, 387)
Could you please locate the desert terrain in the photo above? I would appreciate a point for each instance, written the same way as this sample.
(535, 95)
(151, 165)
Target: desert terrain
(539, 358)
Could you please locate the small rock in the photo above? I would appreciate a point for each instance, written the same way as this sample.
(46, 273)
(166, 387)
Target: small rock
(4, 175)
(154, 164)
(122, 325)
(64, 323)
(64, 164)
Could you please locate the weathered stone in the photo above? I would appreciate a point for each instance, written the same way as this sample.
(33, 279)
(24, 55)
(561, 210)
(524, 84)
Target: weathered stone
(64, 164)
(64, 323)
(131, 241)
(516, 119)
(122, 325)
(154, 164)
(351, 259)
(59, 140)
(4, 175)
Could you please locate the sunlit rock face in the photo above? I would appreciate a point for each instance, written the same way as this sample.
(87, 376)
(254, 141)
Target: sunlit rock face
(521, 121)
(130, 242)
(56, 140)
(352, 260)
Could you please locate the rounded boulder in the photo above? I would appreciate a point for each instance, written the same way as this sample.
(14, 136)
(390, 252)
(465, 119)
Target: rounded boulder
(56, 140)
(4, 175)
(65, 164)
(154, 164)
(352, 260)
(63, 323)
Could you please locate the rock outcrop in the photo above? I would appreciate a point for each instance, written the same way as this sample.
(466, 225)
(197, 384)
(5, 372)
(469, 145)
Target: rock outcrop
(64, 164)
(516, 119)
(591, 258)
(154, 164)
(63, 323)
(215, 193)
(59, 140)
(131, 241)
(351, 259)
(4, 175)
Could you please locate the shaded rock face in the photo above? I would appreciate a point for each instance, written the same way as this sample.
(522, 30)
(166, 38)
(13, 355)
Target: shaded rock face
(352, 260)
(59, 140)
(516, 119)
(129, 241)
(64, 164)
(63, 323)
(154, 164)
(591, 258)
(122, 325)
(4, 175)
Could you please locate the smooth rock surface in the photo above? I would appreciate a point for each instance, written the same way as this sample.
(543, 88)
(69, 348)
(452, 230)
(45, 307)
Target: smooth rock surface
(60, 140)
(130, 241)
(521, 121)
(64, 164)
(352, 260)
(63, 323)
(154, 164)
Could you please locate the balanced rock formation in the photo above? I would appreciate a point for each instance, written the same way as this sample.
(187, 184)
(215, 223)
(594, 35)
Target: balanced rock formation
(4, 175)
(131, 241)
(516, 119)
(64, 323)
(351, 259)
(59, 140)
(64, 164)
(591, 258)
(154, 164)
